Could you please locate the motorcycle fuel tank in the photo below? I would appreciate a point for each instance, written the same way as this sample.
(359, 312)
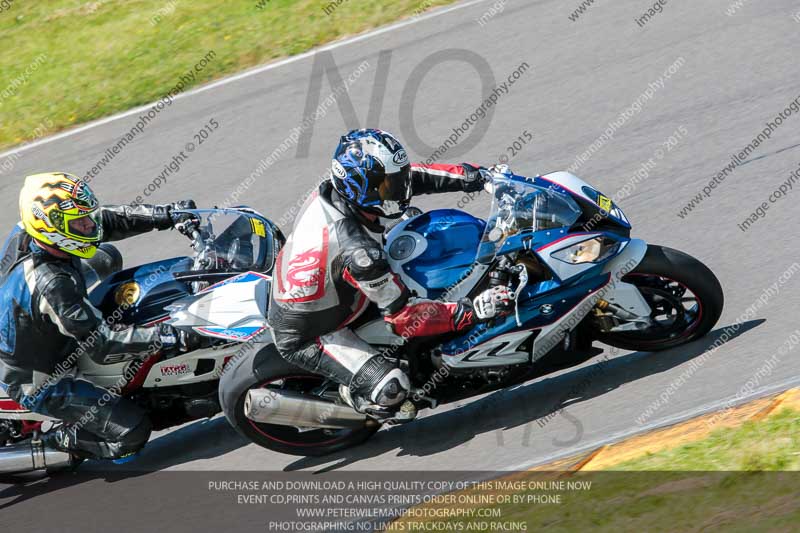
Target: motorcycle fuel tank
(432, 252)
(141, 293)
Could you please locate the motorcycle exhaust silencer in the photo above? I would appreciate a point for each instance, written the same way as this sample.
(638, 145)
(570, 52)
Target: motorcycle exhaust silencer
(30, 456)
(269, 406)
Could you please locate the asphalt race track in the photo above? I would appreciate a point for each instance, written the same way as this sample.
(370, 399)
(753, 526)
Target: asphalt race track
(726, 77)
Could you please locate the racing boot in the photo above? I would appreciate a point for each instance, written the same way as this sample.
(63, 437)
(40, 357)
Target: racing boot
(123, 440)
(380, 390)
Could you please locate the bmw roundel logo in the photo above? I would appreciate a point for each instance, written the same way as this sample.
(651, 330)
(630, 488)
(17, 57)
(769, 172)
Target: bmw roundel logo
(546, 309)
(400, 158)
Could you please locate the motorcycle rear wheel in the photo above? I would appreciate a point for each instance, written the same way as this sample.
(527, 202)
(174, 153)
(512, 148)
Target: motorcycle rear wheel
(685, 296)
(270, 370)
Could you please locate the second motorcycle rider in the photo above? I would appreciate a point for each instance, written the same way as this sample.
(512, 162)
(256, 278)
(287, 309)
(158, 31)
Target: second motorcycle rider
(333, 266)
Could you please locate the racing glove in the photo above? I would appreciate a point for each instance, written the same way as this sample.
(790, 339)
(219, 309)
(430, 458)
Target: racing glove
(500, 168)
(492, 303)
(474, 177)
(183, 204)
(175, 340)
(168, 336)
(178, 218)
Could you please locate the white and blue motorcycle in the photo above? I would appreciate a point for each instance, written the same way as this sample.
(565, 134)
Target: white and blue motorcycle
(578, 277)
(219, 293)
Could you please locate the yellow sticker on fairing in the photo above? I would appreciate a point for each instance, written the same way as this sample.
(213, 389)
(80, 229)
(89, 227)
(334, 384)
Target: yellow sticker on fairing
(605, 203)
(258, 227)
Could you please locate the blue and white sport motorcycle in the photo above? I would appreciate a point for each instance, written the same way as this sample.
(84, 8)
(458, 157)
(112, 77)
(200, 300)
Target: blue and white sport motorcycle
(578, 277)
(219, 293)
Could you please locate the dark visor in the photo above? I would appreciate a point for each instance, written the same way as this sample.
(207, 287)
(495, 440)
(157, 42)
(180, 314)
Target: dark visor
(396, 187)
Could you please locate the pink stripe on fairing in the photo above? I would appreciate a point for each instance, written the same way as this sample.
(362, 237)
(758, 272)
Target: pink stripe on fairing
(154, 322)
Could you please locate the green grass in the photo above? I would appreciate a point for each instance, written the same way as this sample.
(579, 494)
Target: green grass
(770, 444)
(740, 480)
(76, 61)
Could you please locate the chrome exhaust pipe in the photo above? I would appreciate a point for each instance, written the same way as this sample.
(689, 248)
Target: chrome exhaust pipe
(269, 406)
(31, 456)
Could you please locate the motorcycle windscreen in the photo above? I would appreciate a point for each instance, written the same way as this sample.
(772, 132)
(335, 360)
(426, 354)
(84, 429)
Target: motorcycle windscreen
(236, 241)
(520, 206)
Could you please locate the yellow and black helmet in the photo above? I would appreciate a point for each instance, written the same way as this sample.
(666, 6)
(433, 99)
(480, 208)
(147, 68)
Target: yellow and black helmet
(60, 210)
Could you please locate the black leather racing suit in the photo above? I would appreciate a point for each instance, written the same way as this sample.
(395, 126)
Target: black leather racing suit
(47, 323)
(333, 266)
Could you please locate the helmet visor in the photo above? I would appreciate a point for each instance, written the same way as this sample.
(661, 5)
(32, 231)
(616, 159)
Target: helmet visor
(396, 187)
(84, 227)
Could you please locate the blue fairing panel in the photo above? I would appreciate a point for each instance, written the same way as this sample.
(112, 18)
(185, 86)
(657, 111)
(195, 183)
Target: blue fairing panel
(533, 302)
(157, 289)
(452, 242)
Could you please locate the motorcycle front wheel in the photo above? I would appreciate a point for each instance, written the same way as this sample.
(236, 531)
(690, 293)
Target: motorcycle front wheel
(684, 295)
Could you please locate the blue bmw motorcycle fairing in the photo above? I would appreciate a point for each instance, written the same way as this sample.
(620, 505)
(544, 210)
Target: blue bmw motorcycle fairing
(532, 221)
(437, 249)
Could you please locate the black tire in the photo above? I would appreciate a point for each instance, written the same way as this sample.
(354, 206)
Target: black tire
(690, 276)
(265, 367)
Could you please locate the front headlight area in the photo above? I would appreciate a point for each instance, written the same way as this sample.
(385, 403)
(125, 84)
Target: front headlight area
(589, 251)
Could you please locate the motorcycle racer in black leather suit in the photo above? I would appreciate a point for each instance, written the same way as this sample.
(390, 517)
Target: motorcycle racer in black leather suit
(47, 322)
(333, 266)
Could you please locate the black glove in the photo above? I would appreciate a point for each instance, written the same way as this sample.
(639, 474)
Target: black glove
(179, 340)
(169, 336)
(184, 204)
(189, 340)
(473, 177)
(181, 206)
(177, 218)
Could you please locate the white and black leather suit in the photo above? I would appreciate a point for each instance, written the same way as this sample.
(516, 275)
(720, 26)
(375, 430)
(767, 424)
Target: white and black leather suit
(333, 266)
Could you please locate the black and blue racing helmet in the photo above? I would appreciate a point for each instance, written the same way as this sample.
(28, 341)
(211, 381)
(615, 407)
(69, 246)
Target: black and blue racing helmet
(371, 171)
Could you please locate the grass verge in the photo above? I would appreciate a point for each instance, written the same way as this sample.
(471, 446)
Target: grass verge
(67, 61)
(743, 479)
(769, 444)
